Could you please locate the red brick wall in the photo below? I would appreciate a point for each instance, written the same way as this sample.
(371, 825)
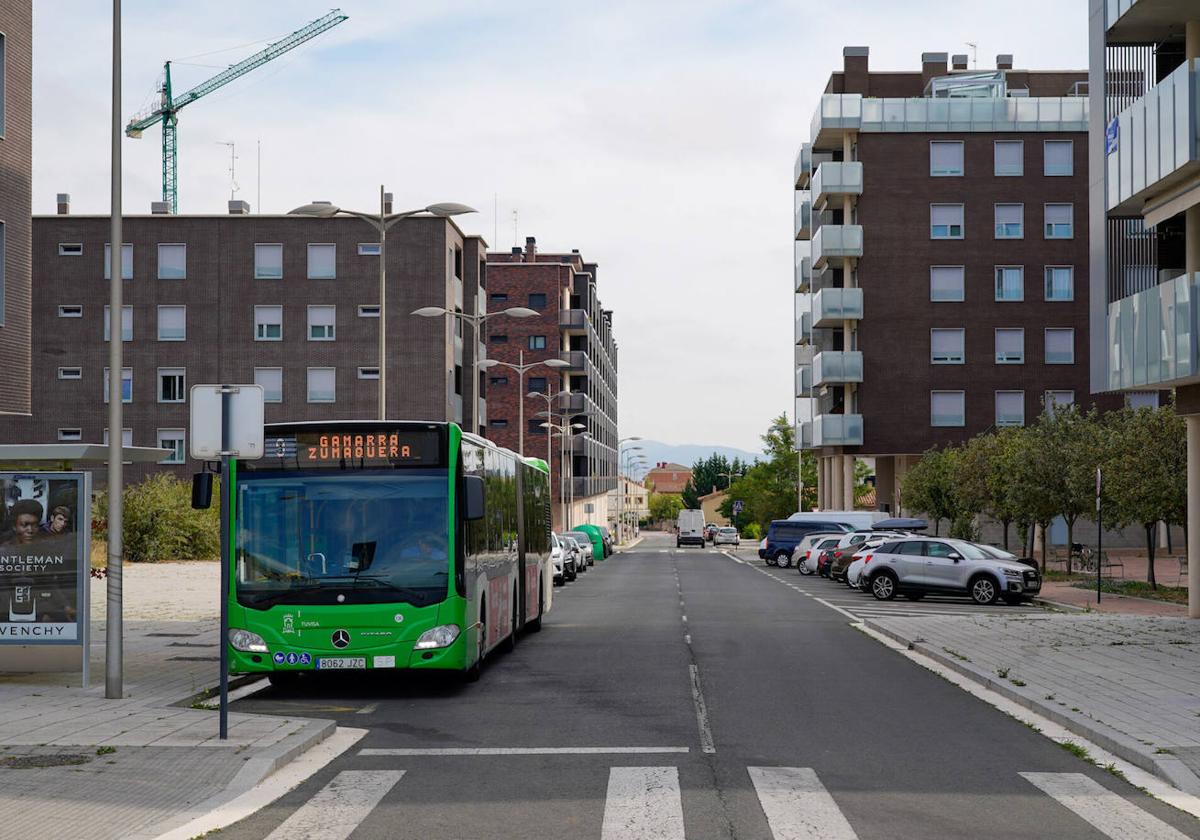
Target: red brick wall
(16, 146)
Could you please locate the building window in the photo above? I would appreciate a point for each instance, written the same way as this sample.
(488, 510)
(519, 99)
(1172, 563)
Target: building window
(172, 385)
(1059, 399)
(947, 408)
(1010, 221)
(271, 380)
(946, 283)
(368, 373)
(537, 384)
(321, 322)
(72, 311)
(172, 261)
(458, 380)
(498, 297)
(3, 80)
(537, 342)
(537, 300)
(946, 346)
(498, 339)
(268, 261)
(368, 311)
(1060, 282)
(70, 373)
(268, 323)
(368, 249)
(126, 261)
(535, 428)
(1059, 158)
(70, 249)
(1010, 346)
(126, 385)
(322, 385)
(126, 323)
(70, 434)
(3, 240)
(1010, 408)
(1010, 282)
(498, 424)
(945, 221)
(1060, 221)
(498, 380)
(945, 158)
(172, 323)
(1060, 346)
(126, 439)
(1143, 399)
(322, 261)
(1010, 158)
(172, 440)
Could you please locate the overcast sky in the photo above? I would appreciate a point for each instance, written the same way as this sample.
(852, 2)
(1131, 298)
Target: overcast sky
(656, 137)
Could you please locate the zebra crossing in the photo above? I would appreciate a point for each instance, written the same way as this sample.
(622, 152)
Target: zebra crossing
(646, 803)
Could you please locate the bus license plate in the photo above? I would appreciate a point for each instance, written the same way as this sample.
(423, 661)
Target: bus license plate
(341, 663)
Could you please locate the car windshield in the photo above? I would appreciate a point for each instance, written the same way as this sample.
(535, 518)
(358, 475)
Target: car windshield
(972, 551)
(998, 553)
(324, 537)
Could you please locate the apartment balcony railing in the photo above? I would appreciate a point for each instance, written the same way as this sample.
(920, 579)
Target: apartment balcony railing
(804, 328)
(1025, 113)
(1153, 335)
(835, 367)
(456, 409)
(573, 320)
(803, 274)
(804, 434)
(804, 380)
(803, 167)
(804, 354)
(576, 360)
(1156, 144)
(834, 242)
(835, 179)
(803, 215)
(836, 114)
(574, 403)
(837, 430)
(833, 306)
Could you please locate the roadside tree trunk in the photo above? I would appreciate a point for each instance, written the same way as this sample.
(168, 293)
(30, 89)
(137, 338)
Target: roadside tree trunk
(1070, 540)
(1004, 524)
(1150, 540)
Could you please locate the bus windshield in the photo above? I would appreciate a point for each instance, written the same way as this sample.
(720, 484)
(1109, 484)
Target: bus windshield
(347, 537)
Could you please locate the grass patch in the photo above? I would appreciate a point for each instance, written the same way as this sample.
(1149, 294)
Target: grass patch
(1075, 749)
(1138, 589)
(1111, 769)
(105, 750)
(1018, 683)
(956, 654)
(1002, 673)
(1164, 751)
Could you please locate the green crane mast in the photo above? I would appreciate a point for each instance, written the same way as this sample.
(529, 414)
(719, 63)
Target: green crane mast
(169, 104)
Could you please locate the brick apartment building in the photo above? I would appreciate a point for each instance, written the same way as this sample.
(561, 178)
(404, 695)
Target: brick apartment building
(941, 261)
(668, 477)
(16, 162)
(571, 326)
(288, 302)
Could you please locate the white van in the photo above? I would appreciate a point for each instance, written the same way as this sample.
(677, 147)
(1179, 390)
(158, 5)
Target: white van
(857, 519)
(689, 528)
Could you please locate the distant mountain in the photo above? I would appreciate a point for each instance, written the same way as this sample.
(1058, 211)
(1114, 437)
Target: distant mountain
(687, 454)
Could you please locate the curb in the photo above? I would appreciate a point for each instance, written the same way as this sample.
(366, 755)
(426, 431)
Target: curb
(630, 546)
(1166, 767)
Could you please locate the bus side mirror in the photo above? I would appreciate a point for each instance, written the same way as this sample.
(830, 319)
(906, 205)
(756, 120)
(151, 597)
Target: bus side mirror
(202, 484)
(472, 497)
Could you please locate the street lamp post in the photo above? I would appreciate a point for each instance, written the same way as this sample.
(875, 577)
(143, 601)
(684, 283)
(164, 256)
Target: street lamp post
(381, 223)
(520, 368)
(640, 463)
(564, 431)
(621, 485)
(114, 667)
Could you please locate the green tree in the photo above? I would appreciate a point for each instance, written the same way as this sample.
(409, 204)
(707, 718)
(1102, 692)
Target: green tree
(160, 523)
(929, 486)
(1076, 440)
(708, 474)
(767, 490)
(1038, 468)
(664, 507)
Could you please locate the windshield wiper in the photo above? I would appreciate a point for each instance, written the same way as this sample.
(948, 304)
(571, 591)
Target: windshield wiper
(380, 582)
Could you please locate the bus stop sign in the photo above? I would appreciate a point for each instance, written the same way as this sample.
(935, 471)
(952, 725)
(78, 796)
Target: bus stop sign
(245, 418)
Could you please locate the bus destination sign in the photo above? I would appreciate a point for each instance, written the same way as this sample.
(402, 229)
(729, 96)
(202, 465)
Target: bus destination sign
(358, 448)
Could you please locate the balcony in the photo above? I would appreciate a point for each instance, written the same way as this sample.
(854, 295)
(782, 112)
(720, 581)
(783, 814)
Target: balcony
(835, 179)
(575, 402)
(803, 215)
(1153, 336)
(831, 307)
(804, 433)
(924, 115)
(576, 360)
(803, 167)
(1156, 146)
(574, 321)
(804, 328)
(837, 367)
(837, 114)
(1142, 21)
(835, 242)
(804, 380)
(837, 430)
(803, 274)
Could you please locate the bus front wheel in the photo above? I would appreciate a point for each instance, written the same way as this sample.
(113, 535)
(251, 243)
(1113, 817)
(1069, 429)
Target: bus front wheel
(535, 626)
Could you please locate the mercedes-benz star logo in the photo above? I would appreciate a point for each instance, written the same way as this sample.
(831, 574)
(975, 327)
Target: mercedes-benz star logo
(340, 639)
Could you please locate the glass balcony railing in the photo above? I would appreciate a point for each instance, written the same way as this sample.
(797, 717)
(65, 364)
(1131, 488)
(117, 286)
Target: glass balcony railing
(1152, 335)
(576, 359)
(836, 242)
(834, 367)
(1114, 10)
(837, 430)
(833, 306)
(1046, 113)
(835, 179)
(803, 274)
(837, 113)
(803, 166)
(804, 328)
(573, 320)
(804, 380)
(803, 214)
(804, 433)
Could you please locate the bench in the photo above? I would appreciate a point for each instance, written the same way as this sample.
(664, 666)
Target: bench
(1107, 563)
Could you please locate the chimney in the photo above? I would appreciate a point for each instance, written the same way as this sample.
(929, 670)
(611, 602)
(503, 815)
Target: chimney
(239, 208)
(530, 248)
(64, 204)
(958, 62)
(855, 73)
(516, 251)
(387, 203)
(1004, 61)
(932, 64)
(160, 208)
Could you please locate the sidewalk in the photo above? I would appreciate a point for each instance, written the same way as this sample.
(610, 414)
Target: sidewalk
(136, 767)
(1131, 684)
(1063, 594)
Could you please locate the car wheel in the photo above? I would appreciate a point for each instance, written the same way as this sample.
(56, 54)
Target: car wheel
(914, 596)
(559, 580)
(782, 559)
(983, 590)
(883, 586)
(802, 567)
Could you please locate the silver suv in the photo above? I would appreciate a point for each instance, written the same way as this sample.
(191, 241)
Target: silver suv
(916, 566)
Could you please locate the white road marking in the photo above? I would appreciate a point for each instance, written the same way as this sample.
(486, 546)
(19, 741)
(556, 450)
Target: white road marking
(369, 751)
(1112, 815)
(643, 803)
(368, 709)
(846, 613)
(797, 805)
(706, 738)
(239, 693)
(687, 637)
(338, 808)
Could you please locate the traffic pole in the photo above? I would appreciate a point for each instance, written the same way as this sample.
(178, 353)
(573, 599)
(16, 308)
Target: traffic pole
(227, 393)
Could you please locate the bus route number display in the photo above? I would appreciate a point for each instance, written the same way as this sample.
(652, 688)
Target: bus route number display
(361, 448)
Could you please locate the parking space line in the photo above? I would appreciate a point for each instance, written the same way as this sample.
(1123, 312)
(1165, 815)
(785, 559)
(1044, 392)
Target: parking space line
(797, 805)
(1111, 814)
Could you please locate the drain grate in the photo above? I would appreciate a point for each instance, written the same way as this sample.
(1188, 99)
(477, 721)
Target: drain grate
(31, 762)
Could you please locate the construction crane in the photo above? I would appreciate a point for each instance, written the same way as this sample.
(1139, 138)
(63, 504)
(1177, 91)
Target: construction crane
(168, 108)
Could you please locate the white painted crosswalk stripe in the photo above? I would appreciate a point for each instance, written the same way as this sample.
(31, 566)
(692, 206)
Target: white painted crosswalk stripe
(797, 805)
(643, 803)
(1112, 815)
(339, 807)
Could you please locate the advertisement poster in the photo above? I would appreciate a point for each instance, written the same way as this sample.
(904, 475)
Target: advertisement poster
(44, 563)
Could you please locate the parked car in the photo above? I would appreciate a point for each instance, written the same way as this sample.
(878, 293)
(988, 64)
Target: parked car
(710, 532)
(857, 519)
(727, 536)
(608, 540)
(564, 555)
(689, 528)
(852, 573)
(587, 548)
(762, 549)
(783, 535)
(805, 554)
(850, 545)
(916, 566)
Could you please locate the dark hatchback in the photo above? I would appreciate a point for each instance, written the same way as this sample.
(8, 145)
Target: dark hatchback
(783, 535)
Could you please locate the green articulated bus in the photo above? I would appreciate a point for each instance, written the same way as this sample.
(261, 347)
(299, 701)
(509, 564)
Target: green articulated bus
(368, 545)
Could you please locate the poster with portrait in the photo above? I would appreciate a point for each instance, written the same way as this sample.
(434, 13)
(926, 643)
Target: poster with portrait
(45, 529)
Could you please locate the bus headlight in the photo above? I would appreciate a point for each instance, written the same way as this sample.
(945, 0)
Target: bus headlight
(246, 641)
(437, 637)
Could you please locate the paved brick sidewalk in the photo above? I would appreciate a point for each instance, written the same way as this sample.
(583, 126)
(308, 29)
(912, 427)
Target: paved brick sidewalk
(1066, 595)
(1131, 684)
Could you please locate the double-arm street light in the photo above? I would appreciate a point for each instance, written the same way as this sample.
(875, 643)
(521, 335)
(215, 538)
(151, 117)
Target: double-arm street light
(476, 321)
(567, 432)
(381, 222)
(520, 367)
(621, 481)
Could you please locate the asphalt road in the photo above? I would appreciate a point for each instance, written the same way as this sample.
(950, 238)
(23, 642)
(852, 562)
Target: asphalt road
(678, 694)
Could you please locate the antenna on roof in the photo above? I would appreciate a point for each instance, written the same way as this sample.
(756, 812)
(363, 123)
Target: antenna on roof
(974, 54)
(233, 184)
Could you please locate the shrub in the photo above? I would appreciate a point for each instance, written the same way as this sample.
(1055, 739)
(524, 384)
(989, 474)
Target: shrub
(160, 523)
(753, 531)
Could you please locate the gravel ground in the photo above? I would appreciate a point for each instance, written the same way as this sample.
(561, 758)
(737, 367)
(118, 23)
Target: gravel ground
(165, 591)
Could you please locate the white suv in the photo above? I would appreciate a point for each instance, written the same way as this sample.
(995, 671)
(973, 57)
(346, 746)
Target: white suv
(916, 566)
